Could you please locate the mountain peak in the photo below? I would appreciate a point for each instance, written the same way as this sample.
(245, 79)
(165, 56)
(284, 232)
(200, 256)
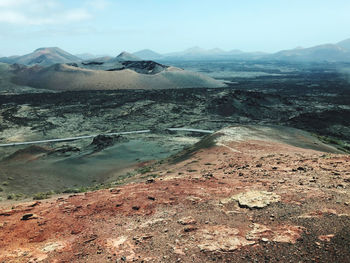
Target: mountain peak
(126, 56)
(45, 56)
(345, 44)
(148, 54)
(124, 53)
(146, 50)
(47, 48)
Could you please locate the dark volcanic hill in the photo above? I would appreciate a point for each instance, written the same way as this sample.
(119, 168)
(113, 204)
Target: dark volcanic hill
(109, 74)
(43, 56)
(123, 61)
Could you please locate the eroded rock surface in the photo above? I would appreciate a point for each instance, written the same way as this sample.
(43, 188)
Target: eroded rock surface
(221, 239)
(256, 199)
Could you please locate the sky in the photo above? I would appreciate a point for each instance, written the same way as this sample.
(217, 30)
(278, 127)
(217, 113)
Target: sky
(111, 26)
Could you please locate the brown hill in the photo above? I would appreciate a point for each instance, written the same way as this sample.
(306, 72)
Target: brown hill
(70, 77)
(43, 56)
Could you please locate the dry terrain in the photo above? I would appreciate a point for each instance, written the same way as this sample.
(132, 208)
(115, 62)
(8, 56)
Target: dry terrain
(257, 190)
(242, 194)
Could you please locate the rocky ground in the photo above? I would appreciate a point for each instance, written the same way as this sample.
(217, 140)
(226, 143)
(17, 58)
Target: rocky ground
(256, 193)
(56, 167)
(239, 195)
(51, 115)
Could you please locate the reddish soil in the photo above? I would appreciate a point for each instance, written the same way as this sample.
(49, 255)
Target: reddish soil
(190, 213)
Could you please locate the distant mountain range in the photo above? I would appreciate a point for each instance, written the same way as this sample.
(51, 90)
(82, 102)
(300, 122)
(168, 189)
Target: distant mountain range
(86, 56)
(339, 52)
(197, 53)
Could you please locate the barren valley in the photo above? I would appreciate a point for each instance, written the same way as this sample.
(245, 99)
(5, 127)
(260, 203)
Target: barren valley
(263, 177)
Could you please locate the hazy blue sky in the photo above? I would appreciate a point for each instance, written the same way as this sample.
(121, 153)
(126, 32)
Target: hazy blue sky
(111, 26)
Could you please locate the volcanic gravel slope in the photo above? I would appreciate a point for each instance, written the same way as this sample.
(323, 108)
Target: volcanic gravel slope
(236, 196)
(126, 75)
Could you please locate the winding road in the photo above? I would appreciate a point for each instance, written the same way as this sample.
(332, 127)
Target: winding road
(107, 134)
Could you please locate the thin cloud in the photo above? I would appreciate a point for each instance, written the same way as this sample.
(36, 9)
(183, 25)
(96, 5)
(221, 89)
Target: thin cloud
(29, 5)
(98, 4)
(11, 3)
(12, 17)
(76, 15)
(35, 12)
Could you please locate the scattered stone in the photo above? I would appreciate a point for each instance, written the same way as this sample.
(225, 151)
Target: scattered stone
(326, 238)
(29, 217)
(140, 239)
(34, 204)
(150, 181)
(208, 175)
(190, 229)
(136, 208)
(179, 251)
(52, 247)
(92, 238)
(75, 231)
(256, 199)
(193, 199)
(153, 222)
(114, 191)
(312, 180)
(187, 221)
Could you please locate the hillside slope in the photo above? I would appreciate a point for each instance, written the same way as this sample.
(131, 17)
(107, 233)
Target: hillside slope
(66, 77)
(329, 53)
(43, 57)
(229, 198)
